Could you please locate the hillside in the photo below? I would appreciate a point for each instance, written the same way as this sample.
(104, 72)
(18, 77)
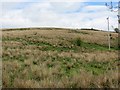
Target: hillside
(54, 57)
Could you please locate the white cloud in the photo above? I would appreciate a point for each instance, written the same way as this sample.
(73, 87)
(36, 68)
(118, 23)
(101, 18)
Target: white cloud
(14, 19)
(64, 7)
(62, 14)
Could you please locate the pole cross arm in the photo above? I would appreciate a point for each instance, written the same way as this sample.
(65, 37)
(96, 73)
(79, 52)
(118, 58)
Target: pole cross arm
(112, 8)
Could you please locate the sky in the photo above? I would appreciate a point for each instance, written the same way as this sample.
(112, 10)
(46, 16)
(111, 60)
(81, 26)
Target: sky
(75, 14)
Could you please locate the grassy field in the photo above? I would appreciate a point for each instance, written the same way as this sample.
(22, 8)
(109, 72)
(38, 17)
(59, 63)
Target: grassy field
(59, 58)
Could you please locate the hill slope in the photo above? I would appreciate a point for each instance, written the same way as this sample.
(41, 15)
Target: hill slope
(59, 58)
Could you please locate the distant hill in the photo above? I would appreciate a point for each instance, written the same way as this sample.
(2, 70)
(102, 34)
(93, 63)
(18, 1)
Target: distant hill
(49, 28)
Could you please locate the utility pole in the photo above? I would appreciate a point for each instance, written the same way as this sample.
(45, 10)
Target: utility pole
(119, 27)
(119, 16)
(113, 10)
(108, 33)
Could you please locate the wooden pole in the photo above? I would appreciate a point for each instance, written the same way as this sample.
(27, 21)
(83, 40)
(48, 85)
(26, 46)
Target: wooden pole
(108, 34)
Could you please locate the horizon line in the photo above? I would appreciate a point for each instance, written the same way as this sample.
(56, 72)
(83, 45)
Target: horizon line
(55, 28)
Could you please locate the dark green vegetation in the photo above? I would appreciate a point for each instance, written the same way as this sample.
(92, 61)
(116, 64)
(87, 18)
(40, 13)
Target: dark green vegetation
(59, 58)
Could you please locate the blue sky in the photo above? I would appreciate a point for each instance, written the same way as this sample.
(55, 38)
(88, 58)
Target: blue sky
(44, 13)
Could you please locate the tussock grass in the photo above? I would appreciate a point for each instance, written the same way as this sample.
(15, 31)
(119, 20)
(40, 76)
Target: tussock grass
(59, 59)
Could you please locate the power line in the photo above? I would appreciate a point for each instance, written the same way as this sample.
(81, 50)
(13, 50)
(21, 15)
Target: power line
(112, 9)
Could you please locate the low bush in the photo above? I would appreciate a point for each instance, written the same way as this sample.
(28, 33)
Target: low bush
(78, 42)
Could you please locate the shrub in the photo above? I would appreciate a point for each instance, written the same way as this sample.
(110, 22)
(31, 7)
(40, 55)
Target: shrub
(78, 42)
(116, 30)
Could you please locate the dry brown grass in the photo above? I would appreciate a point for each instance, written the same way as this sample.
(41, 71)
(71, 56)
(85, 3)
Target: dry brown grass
(91, 36)
(50, 58)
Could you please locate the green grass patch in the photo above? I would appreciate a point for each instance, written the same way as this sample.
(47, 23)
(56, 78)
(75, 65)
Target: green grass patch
(78, 42)
(93, 46)
(70, 67)
(11, 39)
(96, 67)
(97, 46)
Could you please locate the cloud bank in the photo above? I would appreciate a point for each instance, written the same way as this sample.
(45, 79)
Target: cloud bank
(56, 14)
